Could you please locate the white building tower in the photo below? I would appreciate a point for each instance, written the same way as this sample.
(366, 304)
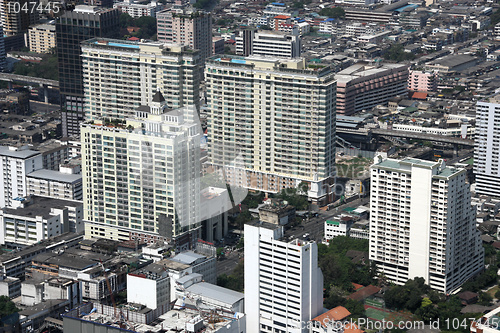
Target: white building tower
(422, 223)
(141, 178)
(487, 152)
(283, 283)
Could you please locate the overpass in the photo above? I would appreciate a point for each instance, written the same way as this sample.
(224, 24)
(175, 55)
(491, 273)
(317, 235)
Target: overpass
(423, 136)
(43, 83)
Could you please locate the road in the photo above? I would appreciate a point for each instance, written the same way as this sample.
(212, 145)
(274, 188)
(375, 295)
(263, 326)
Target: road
(227, 265)
(315, 226)
(43, 108)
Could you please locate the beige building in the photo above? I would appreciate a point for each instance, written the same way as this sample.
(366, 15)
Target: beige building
(41, 38)
(271, 123)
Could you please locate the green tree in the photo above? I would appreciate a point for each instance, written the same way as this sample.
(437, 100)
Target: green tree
(7, 307)
(335, 12)
(234, 281)
(397, 53)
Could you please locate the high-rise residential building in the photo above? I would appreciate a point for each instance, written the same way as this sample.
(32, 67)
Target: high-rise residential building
(422, 223)
(269, 43)
(271, 123)
(141, 177)
(283, 281)
(363, 86)
(15, 164)
(73, 27)
(3, 55)
(487, 152)
(41, 38)
(186, 26)
(16, 16)
(119, 76)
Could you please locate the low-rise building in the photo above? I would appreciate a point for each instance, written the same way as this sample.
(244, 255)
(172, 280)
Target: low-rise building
(276, 212)
(10, 286)
(149, 286)
(55, 184)
(422, 81)
(38, 218)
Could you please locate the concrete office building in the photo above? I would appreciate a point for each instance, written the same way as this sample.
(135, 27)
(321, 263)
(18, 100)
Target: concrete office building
(119, 76)
(39, 218)
(41, 38)
(269, 43)
(487, 152)
(141, 179)
(271, 123)
(72, 28)
(284, 280)
(363, 86)
(15, 164)
(422, 223)
(186, 26)
(54, 184)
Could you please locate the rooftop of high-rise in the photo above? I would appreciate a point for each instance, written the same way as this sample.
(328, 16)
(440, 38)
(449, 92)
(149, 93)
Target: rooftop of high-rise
(295, 65)
(145, 46)
(406, 164)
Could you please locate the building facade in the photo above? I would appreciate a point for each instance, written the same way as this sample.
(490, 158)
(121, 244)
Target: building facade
(3, 54)
(15, 165)
(136, 9)
(73, 27)
(487, 151)
(422, 223)
(16, 20)
(284, 278)
(363, 86)
(38, 218)
(269, 43)
(54, 184)
(141, 178)
(186, 27)
(41, 38)
(138, 69)
(271, 123)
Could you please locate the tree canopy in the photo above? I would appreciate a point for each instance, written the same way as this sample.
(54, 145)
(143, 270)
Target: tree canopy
(147, 25)
(397, 53)
(46, 69)
(335, 12)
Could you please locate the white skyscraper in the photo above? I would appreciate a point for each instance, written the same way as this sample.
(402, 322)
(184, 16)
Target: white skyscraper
(283, 283)
(422, 223)
(141, 178)
(487, 152)
(15, 164)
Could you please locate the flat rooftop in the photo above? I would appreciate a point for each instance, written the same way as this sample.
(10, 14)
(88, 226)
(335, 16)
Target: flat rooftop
(215, 292)
(55, 176)
(17, 153)
(407, 163)
(41, 206)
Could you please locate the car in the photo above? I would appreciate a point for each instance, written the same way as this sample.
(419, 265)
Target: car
(306, 235)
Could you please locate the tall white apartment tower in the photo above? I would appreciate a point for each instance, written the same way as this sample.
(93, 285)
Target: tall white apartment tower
(119, 76)
(422, 223)
(283, 283)
(141, 178)
(487, 150)
(15, 164)
(278, 115)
